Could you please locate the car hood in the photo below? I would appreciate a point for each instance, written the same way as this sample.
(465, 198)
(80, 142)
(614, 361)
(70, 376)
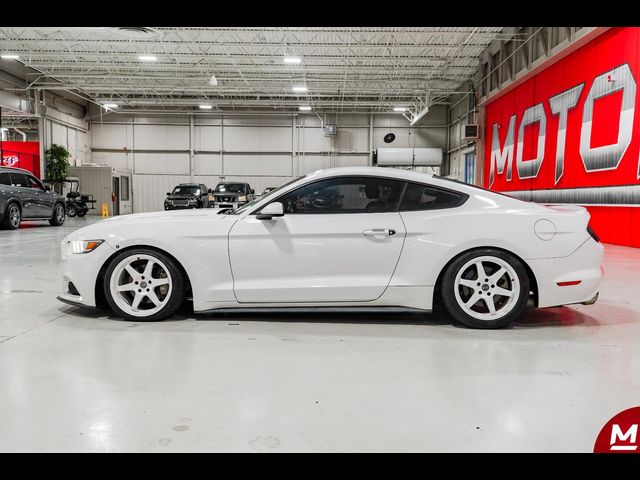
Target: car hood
(149, 225)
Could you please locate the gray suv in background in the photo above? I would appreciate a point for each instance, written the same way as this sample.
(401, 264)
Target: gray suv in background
(23, 196)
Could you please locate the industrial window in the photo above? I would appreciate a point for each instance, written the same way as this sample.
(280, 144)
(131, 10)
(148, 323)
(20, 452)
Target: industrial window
(124, 189)
(424, 197)
(470, 168)
(4, 179)
(344, 195)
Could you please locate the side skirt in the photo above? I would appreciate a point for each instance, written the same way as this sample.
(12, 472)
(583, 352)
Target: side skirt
(313, 309)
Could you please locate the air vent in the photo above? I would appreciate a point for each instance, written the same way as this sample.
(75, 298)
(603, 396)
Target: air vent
(138, 33)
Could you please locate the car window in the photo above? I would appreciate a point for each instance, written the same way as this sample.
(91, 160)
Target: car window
(186, 190)
(32, 182)
(344, 195)
(19, 179)
(425, 197)
(229, 188)
(4, 178)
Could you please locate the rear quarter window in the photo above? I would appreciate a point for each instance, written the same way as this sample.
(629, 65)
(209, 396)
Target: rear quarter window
(427, 197)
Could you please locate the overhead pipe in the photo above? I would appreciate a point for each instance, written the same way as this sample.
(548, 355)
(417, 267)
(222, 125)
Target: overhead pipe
(24, 135)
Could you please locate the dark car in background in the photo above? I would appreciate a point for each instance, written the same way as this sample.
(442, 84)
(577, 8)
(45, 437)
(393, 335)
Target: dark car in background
(24, 197)
(232, 194)
(187, 195)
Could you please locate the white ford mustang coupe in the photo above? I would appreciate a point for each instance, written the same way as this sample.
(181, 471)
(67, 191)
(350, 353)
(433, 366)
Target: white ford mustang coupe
(362, 238)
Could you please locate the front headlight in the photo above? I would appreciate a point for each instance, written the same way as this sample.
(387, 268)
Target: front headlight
(84, 246)
(242, 198)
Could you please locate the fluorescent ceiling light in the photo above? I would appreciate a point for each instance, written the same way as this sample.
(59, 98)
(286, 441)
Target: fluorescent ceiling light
(292, 60)
(304, 108)
(299, 88)
(10, 56)
(399, 109)
(110, 105)
(147, 58)
(205, 107)
(213, 81)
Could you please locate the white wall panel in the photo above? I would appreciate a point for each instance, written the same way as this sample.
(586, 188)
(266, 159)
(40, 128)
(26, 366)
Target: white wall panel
(311, 163)
(81, 148)
(352, 140)
(257, 139)
(113, 159)
(207, 164)
(58, 134)
(207, 137)
(104, 135)
(161, 137)
(257, 165)
(352, 161)
(165, 163)
(312, 140)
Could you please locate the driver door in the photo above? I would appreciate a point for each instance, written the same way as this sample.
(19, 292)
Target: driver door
(338, 241)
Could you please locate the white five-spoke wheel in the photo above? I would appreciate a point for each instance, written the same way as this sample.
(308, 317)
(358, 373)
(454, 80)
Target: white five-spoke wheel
(485, 289)
(144, 285)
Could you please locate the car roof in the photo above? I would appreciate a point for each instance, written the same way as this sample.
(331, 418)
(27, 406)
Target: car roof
(15, 169)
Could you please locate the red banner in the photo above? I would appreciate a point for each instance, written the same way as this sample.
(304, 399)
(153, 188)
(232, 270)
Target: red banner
(571, 134)
(22, 155)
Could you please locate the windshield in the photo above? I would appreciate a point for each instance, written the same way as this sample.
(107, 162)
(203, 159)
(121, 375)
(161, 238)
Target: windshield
(229, 187)
(186, 190)
(251, 204)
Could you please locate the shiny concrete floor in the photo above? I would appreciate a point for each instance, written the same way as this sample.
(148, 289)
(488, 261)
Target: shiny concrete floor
(81, 380)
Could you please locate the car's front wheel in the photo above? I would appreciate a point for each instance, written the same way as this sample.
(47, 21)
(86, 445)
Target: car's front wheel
(485, 288)
(57, 218)
(144, 285)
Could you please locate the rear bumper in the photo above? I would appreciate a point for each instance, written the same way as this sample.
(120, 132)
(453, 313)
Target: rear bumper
(583, 265)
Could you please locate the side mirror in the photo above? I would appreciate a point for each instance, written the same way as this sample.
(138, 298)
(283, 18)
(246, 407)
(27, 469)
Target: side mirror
(252, 191)
(168, 193)
(47, 188)
(274, 209)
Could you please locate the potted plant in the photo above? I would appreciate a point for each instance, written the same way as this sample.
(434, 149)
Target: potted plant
(57, 165)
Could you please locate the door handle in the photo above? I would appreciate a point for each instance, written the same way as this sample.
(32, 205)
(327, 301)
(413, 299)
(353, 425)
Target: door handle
(373, 232)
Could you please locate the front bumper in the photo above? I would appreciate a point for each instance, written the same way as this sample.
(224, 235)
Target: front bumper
(82, 271)
(585, 265)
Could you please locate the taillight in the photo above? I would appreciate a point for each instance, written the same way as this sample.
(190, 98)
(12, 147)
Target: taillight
(593, 233)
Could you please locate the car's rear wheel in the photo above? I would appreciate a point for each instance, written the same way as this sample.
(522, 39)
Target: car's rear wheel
(144, 285)
(58, 215)
(12, 217)
(485, 289)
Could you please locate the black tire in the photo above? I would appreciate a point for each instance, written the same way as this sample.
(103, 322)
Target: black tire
(12, 212)
(58, 215)
(176, 298)
(82, 213)
(513, 310)
(72, 210)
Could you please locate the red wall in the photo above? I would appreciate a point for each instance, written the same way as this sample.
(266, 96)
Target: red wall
(22, 155)
(607, 69)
